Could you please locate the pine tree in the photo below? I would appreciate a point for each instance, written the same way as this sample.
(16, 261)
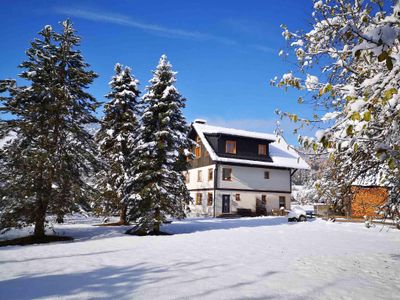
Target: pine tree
(160, 157)
(116, 139)
(45, 164)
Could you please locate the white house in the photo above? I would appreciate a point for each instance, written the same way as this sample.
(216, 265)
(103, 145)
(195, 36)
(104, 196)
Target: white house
(235, 169)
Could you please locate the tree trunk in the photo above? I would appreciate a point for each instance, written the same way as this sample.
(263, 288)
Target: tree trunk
(157, 223)
(40, 219)
(156, 227)
(60, 218)
(122, 215)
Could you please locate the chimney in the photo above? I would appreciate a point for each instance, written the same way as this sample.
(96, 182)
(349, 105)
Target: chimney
(200, 121)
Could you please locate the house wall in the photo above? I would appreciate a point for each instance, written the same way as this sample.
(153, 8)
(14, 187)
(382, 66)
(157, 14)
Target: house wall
(249, 182)
(247, 200)
(201, 210)
(205, 183)
(253, 179)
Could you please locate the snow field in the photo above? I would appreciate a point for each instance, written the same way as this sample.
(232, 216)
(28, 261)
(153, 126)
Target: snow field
(263, 258)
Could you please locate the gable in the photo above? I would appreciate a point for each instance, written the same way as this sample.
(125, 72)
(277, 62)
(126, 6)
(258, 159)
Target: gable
(280, 154)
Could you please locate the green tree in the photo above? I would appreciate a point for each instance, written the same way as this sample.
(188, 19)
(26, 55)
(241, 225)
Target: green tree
(117, 138)
(160, 156)
(45, 164)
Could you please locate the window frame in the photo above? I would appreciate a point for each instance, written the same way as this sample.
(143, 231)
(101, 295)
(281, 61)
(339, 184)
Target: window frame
(229, 143)
(199, 199)
(199, 175)
(284, 201)
(197, 152)
(262, 147)
(210, 199)
(187, 177)
(230, 173)
(197, 149)
(210, 174)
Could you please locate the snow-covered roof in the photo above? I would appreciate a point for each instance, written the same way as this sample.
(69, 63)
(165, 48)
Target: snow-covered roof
(230, 131)
(372, 179)
(282, 154)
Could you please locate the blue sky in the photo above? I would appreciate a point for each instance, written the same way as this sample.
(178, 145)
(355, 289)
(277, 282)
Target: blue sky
(225, 52)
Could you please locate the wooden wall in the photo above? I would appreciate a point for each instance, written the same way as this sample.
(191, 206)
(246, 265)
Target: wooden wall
(366, 200)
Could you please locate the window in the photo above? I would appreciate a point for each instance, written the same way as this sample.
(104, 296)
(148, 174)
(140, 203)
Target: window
(264, 199)
(237, 197)
(199, 176)
(262, 149)
(266, 175)
(282, 201)
(226, 174)
(197, 152)
(187, 177)
(230, 147)
(198, 199)
(210, 174)
(206, 153)
(209, 199)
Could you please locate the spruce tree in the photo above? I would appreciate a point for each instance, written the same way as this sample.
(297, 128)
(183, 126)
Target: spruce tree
(160, 157)
(116, 139)
(44, 165)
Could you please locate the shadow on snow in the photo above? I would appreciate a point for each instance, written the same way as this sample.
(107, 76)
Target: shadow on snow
(207, 224)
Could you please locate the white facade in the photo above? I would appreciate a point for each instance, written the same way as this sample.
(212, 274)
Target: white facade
(204, 183)
(253, 178)
(247, 185)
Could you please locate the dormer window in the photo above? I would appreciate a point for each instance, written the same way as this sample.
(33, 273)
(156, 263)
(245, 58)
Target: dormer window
(262, 149)
(230, 147)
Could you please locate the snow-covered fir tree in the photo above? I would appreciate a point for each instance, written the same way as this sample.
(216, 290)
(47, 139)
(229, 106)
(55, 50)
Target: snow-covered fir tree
(117, 138)
(350, 62)
(160, 157)
(44, 164)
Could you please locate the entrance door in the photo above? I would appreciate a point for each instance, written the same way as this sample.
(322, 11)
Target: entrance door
(226, 203)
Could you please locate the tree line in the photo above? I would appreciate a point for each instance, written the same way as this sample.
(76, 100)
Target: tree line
(51, 164)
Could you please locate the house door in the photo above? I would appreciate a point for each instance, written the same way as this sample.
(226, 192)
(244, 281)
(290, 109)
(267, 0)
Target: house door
(226, 203)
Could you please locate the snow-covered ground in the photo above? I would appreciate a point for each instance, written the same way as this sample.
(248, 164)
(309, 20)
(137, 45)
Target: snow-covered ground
(258, 258)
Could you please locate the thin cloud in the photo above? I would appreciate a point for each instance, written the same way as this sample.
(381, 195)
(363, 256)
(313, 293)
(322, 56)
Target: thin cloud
(124, 20)
(264, 48)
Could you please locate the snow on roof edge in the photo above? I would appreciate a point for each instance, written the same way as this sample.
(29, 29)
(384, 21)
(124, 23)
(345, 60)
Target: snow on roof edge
(279, 145)
(210, 129)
